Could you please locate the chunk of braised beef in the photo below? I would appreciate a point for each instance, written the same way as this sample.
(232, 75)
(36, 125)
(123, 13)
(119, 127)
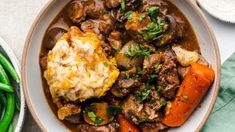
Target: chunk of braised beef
(77, 11)
(112, 127)
(112, 3)
(128, 83)
(94, 8)
(98, 26)
(133, 109)
(151, 66)
(115, 40)
(168, 74)
(152, 106)
(170, 91)
(153, 127)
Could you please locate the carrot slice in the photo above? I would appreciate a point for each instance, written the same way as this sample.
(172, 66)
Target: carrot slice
(125, 125)
(195, 85)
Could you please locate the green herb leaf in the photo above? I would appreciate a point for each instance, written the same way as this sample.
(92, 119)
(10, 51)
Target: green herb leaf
(91, 115)
(139, 70)
(114, 110)
(144, 95)
(138, 51)
(127, 75)
(153, 29)
(144, 118)
(156, 65)
(115, 47)
(163, 103)
(123, 4)
(153, 75)
(98, 121)
(159, 88)
(141, 18)
(152, 101)
(129, 15)
(153, 11)
(106, 64)
(94, 118)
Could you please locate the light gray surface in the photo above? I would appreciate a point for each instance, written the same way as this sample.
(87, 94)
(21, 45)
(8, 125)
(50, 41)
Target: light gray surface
(16, 17)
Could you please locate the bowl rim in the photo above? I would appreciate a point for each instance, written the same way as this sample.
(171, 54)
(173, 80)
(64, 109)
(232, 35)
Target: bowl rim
(192, 3)
(13, 59)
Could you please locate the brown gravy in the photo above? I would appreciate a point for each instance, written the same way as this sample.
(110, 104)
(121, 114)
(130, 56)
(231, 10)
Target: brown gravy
(189, 42)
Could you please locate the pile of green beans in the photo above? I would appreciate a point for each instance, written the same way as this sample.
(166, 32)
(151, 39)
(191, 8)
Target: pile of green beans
(9, 101)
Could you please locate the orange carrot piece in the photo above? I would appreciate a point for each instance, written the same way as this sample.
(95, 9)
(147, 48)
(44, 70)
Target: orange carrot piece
(125, 125)
(195, 85)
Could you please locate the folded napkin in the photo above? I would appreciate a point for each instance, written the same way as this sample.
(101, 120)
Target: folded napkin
(222, 118)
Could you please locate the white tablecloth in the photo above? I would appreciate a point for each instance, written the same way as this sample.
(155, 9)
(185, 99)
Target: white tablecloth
(16, 17)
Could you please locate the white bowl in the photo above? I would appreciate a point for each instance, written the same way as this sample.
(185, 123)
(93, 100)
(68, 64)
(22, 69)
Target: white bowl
(32, 82)
(19, 116)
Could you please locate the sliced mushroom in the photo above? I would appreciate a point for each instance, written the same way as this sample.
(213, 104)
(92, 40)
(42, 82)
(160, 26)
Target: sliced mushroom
(97, 114)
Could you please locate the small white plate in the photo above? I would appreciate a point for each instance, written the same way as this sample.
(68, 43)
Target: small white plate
(19, 116)
(221, 9)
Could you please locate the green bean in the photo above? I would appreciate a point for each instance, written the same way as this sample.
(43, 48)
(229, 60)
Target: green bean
(8, 67)
(10, 128)
(9, 113)
(3, 76)
(3, 101)
(6, 88)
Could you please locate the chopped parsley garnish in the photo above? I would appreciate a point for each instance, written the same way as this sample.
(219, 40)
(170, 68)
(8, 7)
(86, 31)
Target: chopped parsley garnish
(115, 47)
(144, 118)
(129, 15)
(94, 118)
(156, 65)
(153, 75)
(114, 110)
(153, 30)
(153, 11)
(123, 4)
(152, 101)
(106, 64)
(127, 75)
(139, 70)
(143, 95)
(138, 51)
(139, 73)
(141, 18)
(163, 103)
(159, 88)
